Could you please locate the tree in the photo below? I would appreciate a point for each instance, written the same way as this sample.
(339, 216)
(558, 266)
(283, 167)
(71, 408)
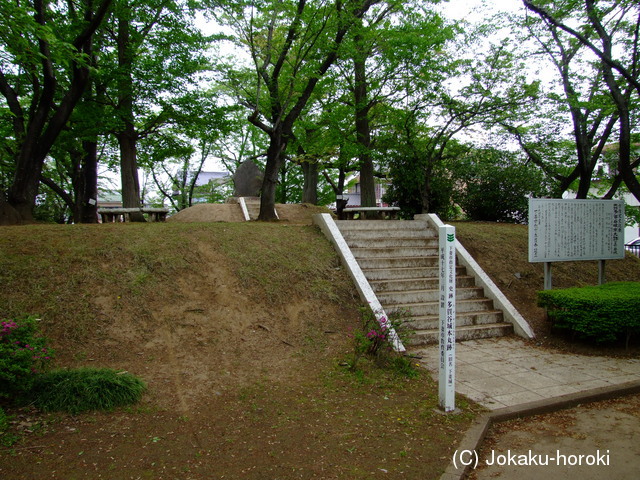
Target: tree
(484, 91)
(495, 186)
(40, 39)
(292, 46)
(152, 54)
(580, 96)
(615, 28)
(179, 150)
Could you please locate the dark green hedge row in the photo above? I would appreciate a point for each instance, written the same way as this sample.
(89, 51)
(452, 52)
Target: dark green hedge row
(603, 313)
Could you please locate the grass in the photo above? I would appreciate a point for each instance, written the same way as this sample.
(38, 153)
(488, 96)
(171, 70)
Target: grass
(57, 272)
(85, 389)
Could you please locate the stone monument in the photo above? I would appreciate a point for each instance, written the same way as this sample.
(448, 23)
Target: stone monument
(247, 181)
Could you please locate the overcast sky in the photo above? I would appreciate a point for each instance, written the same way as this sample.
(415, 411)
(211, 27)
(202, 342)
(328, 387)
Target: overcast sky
(474, 10)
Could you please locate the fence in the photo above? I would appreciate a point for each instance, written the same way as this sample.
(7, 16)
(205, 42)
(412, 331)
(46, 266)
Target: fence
(635, 249)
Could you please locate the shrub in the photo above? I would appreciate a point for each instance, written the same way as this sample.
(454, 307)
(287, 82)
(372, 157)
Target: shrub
(373, 340)
(495, 186)
(23, 353)
(602, 314)
(86, 389)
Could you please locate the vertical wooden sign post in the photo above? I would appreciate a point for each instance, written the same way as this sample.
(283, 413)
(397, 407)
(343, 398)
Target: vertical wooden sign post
(447, 255)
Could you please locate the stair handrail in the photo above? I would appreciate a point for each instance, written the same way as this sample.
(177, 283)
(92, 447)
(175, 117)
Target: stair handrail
(245, 211)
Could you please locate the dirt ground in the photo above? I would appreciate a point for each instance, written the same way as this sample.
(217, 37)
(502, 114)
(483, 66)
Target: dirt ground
(604, 433)
(230, 212)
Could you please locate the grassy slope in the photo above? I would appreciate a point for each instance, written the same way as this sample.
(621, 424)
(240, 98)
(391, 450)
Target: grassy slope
(238, 329)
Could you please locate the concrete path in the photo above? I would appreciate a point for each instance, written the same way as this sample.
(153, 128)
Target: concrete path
(506, 372)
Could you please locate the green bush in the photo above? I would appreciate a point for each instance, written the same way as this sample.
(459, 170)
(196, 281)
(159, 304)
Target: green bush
(602, 314)
(86, 389)
(23, 353)
(374, 340)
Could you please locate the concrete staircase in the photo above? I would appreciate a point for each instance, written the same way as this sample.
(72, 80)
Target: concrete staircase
(253, 207)
(252, 204)
(400, 261)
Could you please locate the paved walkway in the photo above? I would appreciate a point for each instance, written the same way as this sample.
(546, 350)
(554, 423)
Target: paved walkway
(505, 372)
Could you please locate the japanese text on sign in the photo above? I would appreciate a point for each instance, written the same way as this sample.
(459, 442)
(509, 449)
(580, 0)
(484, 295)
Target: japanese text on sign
(565, 230)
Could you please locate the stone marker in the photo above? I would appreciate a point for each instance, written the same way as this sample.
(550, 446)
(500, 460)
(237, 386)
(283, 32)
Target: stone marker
(247, 180)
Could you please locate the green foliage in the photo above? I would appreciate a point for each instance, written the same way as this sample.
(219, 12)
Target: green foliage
(86, 389)
(496, 187)
(601, 314)
(374, 341)
(22, 353)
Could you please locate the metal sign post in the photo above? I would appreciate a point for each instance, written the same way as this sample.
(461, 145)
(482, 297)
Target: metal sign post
(447, 254)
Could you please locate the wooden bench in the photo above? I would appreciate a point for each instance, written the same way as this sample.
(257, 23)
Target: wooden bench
(119, 214)
(373, 212)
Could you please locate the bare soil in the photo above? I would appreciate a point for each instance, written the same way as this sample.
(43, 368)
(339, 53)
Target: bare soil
(603, 433)
(230, 212)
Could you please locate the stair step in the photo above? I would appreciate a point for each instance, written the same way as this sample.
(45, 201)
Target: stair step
(421, 283)
(425, 309)
(426, 337)
(405, 273)
(397, 262)
(421, 296)
(484, 317)
(385, 225)
(394, 252)
(375, 241)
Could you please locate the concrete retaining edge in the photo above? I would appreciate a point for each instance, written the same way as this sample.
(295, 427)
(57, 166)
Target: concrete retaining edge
(476, 434)
(520, 326)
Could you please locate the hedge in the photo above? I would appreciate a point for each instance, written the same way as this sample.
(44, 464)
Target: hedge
(602, 314)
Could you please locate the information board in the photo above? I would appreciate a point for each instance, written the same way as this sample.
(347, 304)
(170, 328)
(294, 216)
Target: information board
(565, 230)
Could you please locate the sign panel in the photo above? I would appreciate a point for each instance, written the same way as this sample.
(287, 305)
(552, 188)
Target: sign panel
(446, 379)
(565, 230)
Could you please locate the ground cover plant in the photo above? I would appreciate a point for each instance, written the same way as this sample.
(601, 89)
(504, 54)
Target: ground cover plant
(85, 389)
(601, 313)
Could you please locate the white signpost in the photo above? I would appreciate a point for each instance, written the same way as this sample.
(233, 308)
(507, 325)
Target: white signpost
(447, 374)
(566, 230)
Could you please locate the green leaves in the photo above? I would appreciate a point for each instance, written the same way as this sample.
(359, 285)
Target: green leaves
(601, 314)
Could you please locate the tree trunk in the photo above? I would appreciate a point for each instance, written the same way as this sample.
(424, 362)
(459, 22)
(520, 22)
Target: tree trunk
(363, 130)
(426, 189)
(88, 195)
(26, 180)
(283, 195)
(310, 187)
(129, 174)
(127, 137)
(275, 153)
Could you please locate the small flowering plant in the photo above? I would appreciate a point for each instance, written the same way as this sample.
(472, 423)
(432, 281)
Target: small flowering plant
(373, 339)
(23, 354)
